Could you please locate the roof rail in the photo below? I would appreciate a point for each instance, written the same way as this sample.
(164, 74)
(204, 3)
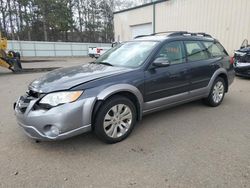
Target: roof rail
(176, 33)
(189, 33)
(205, 35)
(139, 36)
(162, 32)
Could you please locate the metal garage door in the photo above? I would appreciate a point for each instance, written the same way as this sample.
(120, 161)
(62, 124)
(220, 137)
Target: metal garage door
(142, 29)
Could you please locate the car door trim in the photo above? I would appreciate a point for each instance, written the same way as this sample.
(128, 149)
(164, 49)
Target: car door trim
(174, 100)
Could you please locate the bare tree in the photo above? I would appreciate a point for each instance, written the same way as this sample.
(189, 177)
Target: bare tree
(64, 20)
(3, 8)
(11, 20)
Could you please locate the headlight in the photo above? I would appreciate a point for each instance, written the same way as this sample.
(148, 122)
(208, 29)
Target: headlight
(54, 99)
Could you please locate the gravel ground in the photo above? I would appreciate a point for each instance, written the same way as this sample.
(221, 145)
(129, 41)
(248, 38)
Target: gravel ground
(187, 146)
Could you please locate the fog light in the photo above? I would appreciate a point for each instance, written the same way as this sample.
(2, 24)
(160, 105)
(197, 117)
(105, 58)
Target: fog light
(51, 130)
(54, 130)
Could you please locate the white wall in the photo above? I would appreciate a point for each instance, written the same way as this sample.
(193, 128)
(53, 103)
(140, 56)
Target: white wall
(142, 29)
(226, 20)
(51, 49)
(124, 21)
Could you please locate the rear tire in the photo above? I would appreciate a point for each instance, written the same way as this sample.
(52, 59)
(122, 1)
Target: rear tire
(217, 93)
(115, 119)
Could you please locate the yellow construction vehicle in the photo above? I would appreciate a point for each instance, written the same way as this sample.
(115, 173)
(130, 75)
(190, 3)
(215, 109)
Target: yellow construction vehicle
(10, 60)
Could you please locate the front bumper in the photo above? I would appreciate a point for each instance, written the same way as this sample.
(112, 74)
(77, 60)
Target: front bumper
(58, 123)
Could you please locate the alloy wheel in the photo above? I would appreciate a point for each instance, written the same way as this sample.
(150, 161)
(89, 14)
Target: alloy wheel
(117, 121)
(218, 92)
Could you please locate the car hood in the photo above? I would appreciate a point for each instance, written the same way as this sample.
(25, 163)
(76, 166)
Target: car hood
(244, 50)
(66, 78)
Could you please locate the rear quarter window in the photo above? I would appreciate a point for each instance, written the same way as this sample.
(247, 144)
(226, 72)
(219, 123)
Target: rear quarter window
(215, 49)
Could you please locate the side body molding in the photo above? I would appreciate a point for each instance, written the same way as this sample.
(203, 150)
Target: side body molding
(120, 88)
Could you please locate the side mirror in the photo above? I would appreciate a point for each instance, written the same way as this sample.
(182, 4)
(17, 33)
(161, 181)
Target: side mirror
(161, 62)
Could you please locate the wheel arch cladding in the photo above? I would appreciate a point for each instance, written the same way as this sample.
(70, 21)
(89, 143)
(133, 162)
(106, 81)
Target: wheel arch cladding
(221, 72)
(224, 77)
(126, 90)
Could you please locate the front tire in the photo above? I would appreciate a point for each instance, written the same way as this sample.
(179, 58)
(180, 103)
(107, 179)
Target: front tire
(217, 93)
(115, 120)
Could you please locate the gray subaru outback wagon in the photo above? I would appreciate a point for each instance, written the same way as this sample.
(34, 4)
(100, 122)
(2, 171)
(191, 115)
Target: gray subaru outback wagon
(134, 78)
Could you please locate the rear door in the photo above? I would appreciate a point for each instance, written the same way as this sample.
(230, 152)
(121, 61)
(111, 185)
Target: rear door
(161, 82)
(202, 66)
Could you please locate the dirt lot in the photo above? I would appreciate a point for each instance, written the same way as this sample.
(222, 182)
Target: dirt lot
(187, 146)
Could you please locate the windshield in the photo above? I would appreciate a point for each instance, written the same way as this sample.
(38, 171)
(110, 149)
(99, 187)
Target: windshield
(129, 54)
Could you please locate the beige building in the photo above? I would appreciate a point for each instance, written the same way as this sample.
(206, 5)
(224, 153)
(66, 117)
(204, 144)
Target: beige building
(226, 20)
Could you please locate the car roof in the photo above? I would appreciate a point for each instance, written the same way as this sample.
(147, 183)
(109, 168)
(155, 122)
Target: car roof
(183, 35)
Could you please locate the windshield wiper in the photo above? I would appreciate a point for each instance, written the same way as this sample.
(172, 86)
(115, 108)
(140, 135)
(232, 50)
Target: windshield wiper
(105, 63)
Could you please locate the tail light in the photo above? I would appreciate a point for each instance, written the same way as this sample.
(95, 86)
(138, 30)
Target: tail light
(231, 60)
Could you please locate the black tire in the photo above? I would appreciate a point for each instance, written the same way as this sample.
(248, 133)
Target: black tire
(18, 56)
(17, 67)
(19, 64)
(210, 100)
(104, 110)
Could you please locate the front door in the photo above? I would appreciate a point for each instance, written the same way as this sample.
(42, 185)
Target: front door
(163, 82)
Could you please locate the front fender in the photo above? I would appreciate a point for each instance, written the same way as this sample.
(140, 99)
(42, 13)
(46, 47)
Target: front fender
(111, 90)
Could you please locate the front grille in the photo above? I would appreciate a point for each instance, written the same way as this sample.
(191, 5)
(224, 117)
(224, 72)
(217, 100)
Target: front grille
(24, 101)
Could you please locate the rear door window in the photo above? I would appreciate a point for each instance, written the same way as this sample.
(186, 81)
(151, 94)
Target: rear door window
(173, 51)
(215, 49)
(196, 51)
